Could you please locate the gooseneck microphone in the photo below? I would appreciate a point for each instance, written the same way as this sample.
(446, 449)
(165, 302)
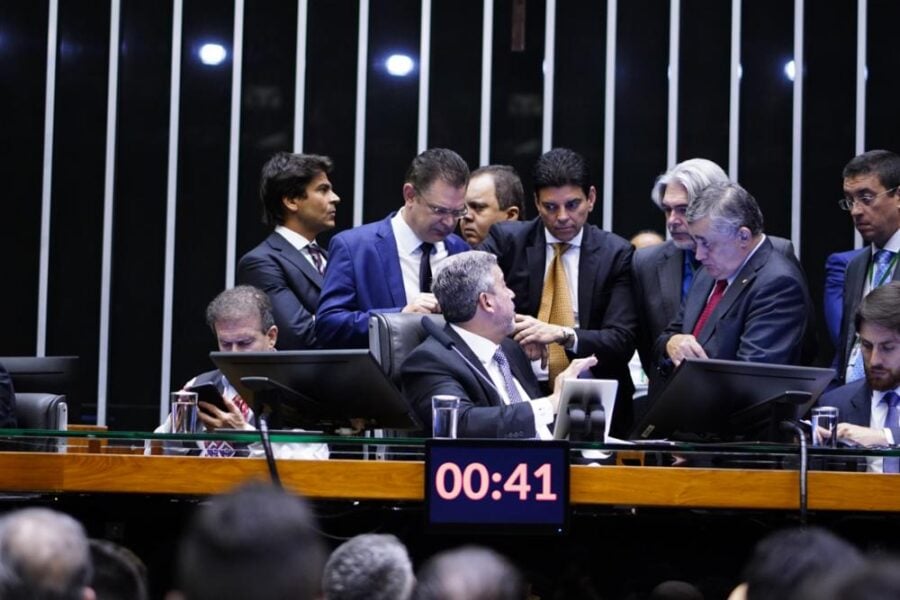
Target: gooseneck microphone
(435, 331)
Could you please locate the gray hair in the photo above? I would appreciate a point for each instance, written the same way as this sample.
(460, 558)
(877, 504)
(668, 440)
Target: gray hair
(369, 567)
(43, 554)
(459, 281)
(470, 573)
(729, 207)
(695, 174)
(241, 302)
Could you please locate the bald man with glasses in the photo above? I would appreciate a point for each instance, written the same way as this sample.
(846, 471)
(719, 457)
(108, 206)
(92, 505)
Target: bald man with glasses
(387, 266)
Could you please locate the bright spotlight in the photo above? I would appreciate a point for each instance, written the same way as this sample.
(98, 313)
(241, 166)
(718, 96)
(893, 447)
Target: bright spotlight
(399, 65)
(790, 70)
(212, 54)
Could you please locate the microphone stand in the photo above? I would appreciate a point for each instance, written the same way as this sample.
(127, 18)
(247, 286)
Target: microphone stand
(804, 468)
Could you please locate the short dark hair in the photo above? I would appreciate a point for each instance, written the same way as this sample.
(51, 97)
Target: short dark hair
(255, 542)
(370, 566)
(883, 163)
(729, 207)
(437, 164)
(879, 307)
(286, 175)
(470, 572)
(876, 579)
(507, 186)
(561, 167)
(118, 572)
(240, 302)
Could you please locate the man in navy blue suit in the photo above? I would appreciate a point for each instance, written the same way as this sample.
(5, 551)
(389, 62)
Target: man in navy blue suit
(387, 266)
(298, 200)
(869, 408)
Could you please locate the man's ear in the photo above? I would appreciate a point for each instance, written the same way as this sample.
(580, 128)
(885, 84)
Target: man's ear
(409, 192)
(291, 205)
(512, 213)
(272, 334)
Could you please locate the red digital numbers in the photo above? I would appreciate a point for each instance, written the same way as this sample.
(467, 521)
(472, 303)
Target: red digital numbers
(474, 482)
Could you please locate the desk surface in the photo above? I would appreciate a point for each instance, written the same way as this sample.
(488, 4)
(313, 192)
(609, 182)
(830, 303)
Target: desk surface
(671, 487)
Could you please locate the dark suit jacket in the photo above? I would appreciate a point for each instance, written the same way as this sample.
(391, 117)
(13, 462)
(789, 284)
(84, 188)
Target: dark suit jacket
(854, 284)
(363, 276)
(433, 369)
(607, 318)
(292, 284)
(762, 317)
(7, 400)
(853, 401)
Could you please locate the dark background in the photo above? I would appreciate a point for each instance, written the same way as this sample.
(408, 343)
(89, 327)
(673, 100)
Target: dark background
(135, 382)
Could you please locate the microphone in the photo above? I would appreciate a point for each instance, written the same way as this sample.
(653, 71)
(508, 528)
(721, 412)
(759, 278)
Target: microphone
(435, 331)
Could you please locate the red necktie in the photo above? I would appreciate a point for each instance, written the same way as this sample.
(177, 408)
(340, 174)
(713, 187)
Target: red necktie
(714, 299)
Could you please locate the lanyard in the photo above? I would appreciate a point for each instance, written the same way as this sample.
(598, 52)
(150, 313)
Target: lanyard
(887, 271)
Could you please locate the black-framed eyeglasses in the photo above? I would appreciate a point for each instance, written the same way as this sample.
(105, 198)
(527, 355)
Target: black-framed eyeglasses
(442, 211)
(864, 199)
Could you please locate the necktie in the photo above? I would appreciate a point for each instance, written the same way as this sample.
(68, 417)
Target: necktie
(315, 252)
(223, 448)
(711, 304)
(892, 422)
(425, 267)
(880, 265)
(556, 307)
(687, 274)
(508, 381)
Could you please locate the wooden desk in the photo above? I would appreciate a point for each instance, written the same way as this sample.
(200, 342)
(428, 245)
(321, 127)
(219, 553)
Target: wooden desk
(403, 481)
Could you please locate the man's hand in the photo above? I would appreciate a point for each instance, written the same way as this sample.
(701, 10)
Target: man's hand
(575, 368)
(537, 352)
(864, 436)
(681, 346)
(423, 303)
(529, 330)
(214, 418)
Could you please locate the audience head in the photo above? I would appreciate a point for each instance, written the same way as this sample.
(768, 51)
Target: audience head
(494, 194)
(872, 196)
(678, 187)
(118, 573)
(878, 325)
(675, 590)
(469, 573)
(434, 193)
(876, 579)
(241, 318)
(295, 191)
(472, 292)
(43, 554)
(645, 239)
(255, 542)
(726, 223)
(563, 193)
(369, 567)
(783, 561)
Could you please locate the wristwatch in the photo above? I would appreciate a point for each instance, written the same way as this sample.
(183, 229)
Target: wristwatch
(568, 336)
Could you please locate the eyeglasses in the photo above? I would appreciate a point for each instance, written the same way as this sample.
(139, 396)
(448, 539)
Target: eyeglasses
(864, 199)
(443, 212)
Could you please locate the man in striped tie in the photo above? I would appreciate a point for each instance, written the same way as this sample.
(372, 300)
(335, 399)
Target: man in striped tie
(869, 408)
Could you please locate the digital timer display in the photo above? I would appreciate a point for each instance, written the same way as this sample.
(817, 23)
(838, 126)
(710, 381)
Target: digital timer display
(508, 485)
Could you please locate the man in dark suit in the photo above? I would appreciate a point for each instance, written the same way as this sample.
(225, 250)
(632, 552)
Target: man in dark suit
(749, 302)
(491, 375)
(298, 200)
(387, 266)
(872, 195)
(578, 301)
(869, 408)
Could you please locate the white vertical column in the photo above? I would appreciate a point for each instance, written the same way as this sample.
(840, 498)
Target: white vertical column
(797, 129)
(300, 76)
(609, 117)
(487, 59)
(734, 108)
(674, 64)
(424, 75)
(234, 141)
(112, 87)
(549, 70)
(862, 18)
(359, 153)
(47, 178)
(171, 203)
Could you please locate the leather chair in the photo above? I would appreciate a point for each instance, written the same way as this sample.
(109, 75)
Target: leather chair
(392, 336)
(36, 410)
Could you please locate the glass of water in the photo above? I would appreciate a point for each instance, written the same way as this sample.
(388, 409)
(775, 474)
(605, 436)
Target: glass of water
(184, 412)
(444, 416)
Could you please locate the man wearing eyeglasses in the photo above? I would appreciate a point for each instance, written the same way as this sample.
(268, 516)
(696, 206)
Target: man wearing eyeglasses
(571, 280)
(387, 266)
(872, 197)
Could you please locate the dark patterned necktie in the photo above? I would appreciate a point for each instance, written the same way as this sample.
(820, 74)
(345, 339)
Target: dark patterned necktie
(508, 382)
(425, 267)
(315, 252)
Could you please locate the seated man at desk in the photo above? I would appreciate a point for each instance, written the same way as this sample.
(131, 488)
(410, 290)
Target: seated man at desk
(869, 408)
(241, 318)
(477, 361)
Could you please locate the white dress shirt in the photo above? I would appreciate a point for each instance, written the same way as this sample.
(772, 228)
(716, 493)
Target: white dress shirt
(877, 420)
(300, 243)
(410, 253)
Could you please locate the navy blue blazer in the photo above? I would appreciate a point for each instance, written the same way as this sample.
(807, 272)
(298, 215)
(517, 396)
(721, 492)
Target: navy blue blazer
(363, 277)
(292, 284)
(433, 369)
(833, 297)
(853, 401)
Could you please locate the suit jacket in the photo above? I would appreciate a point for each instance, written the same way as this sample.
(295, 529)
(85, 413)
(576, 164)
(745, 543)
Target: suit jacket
(854, 284)
(762, 317)
(292, 284)
(833, 298)
(7, 400)
(433, 369)
(853, 401)
(607, 319)
(363, 276)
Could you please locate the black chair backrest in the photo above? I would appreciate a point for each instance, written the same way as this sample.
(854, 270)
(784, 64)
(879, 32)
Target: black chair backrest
(392, 336)
(40, 411)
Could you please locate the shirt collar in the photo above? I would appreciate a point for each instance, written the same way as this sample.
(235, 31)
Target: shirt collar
(407, 240)
(293, 238)
(575, 242)
(893, 244)
(746, 260)
(482, 347)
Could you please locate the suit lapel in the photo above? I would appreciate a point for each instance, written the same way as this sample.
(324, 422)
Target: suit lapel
(669, 270)
(489, 392)
(696, 299)
(386, 247)
(536, 254)
(295, 257)
(588, 265)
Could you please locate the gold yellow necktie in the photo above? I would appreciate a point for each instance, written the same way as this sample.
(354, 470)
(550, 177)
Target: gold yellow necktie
(556, 307)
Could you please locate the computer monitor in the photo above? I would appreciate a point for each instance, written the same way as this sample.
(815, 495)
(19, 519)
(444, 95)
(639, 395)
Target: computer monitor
(47, 374)
(319, 389)
(724, 400)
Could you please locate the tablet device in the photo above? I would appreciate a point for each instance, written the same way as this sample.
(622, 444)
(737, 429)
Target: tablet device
(583, 393)
(208, 392)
